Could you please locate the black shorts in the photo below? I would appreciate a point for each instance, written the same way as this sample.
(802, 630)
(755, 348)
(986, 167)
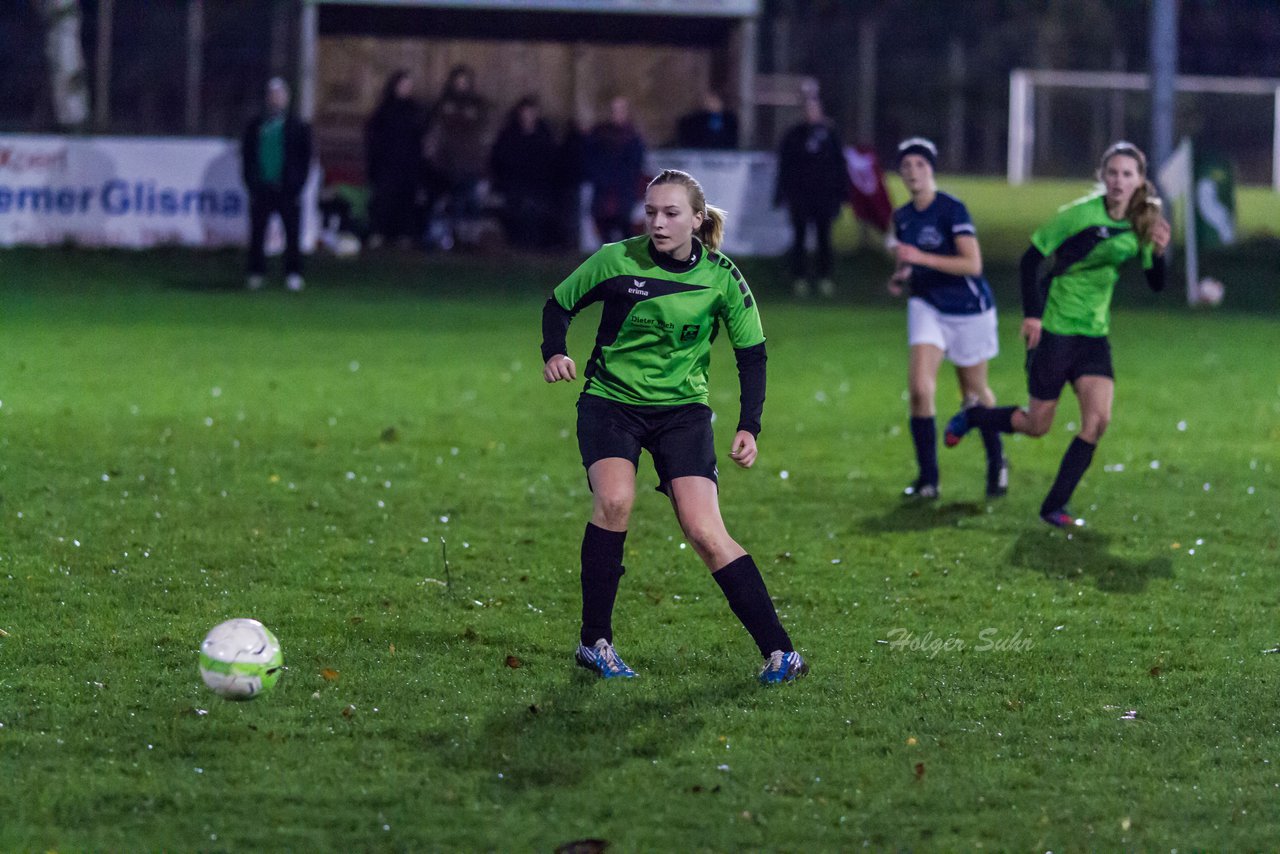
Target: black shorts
(1061, 359)
(679, 438)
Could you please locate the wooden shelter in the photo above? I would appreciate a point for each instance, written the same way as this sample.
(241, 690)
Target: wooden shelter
(575, 55)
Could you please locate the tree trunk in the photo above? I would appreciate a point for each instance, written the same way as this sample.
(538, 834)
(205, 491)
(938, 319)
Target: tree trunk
(68, 81)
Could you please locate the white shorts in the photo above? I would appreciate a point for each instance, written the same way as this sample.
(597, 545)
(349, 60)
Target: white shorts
(965, 339)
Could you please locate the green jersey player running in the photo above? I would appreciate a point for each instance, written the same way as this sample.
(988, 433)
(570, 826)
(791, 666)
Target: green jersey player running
(664, 297)
(1068, 314)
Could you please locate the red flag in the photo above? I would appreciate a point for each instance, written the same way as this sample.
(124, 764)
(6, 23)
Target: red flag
(867, 194)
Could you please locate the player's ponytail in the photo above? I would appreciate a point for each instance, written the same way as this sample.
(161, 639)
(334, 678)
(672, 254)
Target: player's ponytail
(1144, 205)
(1144, 210)
(711, 232)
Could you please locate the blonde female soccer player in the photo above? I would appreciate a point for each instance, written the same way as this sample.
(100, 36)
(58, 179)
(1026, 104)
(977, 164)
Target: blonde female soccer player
(665, 294)
(1067, 314)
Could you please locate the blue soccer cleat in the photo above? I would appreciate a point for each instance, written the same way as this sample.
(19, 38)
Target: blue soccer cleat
(1062, 518)
(782, 667)
(957, 427)
(603, 660)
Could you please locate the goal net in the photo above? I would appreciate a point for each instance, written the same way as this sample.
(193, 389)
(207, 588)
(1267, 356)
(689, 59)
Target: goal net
(1059, 121)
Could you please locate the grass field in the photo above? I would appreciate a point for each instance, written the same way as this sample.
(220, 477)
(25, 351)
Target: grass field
(376, 470)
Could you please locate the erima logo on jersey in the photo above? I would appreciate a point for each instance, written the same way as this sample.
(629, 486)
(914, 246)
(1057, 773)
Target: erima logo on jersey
(1104, 232)
(638, 288)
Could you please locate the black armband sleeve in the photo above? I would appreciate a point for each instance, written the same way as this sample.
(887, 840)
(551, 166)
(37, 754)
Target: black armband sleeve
(555, 329)
(1156, 274)
(751, 375)
(1034, 293)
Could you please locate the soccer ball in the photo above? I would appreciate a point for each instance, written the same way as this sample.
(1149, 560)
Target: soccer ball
(240, 659)
(1210, 292)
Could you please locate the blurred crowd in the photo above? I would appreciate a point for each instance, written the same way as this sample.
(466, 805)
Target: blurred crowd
(448, 171)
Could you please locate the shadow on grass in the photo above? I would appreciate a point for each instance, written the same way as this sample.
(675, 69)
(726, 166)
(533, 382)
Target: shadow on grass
(1086, 554)
(921, 516)
(582, 725)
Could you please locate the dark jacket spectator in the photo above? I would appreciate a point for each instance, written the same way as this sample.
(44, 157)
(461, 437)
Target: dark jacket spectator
(523, 166)
(813, 182)
(710, 127)
(457, 126)
(275, 157)
(613, 163)
(394, 160)
(458, 147)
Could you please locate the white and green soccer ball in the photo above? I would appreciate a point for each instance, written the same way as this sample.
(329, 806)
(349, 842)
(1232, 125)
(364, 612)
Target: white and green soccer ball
(240, 659)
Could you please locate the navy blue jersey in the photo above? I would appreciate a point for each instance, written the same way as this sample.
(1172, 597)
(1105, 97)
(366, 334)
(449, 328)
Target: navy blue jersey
(934, 230)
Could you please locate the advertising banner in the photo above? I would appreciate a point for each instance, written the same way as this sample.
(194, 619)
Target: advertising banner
(739, 182)
(127, 192)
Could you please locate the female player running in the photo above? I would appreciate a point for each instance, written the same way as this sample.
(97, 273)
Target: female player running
(1068, 313)
(664, 295)
(951, 312)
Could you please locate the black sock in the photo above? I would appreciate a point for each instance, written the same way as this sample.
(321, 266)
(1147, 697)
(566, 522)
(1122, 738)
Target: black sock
(995, 453)
(997, 418)
(1074, 462)
(924, 433)
(749, 599)
(601, 571)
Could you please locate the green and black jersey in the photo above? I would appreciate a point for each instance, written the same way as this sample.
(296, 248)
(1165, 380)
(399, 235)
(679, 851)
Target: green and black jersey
(1087, 248)
(658, 319)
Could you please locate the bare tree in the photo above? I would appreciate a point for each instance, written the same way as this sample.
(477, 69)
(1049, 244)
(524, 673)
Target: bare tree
(68, 81)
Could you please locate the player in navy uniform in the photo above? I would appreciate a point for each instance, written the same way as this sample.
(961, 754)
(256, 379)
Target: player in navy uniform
(951, 312)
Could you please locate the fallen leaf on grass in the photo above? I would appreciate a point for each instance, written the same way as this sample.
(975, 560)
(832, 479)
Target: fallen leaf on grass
(349, 712)
(329, 675)
(919, 769)
(514, 662)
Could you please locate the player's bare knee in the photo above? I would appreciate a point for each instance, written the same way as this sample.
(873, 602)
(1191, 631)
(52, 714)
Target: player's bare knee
(614, 509)
(1037, 427)
(921, 397)
(1092, 429)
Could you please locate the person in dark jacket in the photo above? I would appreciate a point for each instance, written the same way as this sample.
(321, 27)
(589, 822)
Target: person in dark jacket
(458, 138)
(275, 158)
(523, 165)
(613, 163)
(393, 161)
(710, 127)
(813, 182)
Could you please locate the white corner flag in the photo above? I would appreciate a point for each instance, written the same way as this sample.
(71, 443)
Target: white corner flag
(1175, 179)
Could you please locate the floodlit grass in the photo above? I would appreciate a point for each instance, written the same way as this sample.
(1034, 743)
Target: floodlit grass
(376, 470)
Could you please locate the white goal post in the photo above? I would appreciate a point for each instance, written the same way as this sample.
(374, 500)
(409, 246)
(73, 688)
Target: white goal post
(1024, 81)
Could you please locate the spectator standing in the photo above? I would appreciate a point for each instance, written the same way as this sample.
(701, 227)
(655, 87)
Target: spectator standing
(613, 163)
(812, 183)
(275, 155)
(523, 165)
(394, 161)
(456, 132)
(712, 126)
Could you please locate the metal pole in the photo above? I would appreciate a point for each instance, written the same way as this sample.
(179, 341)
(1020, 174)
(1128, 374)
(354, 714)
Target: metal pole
(1275, 144)
(1164, 70)
(195, 62)
(746, 96)
(102, 74)
(1020, 110)
(868, 63)
(308, 35)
